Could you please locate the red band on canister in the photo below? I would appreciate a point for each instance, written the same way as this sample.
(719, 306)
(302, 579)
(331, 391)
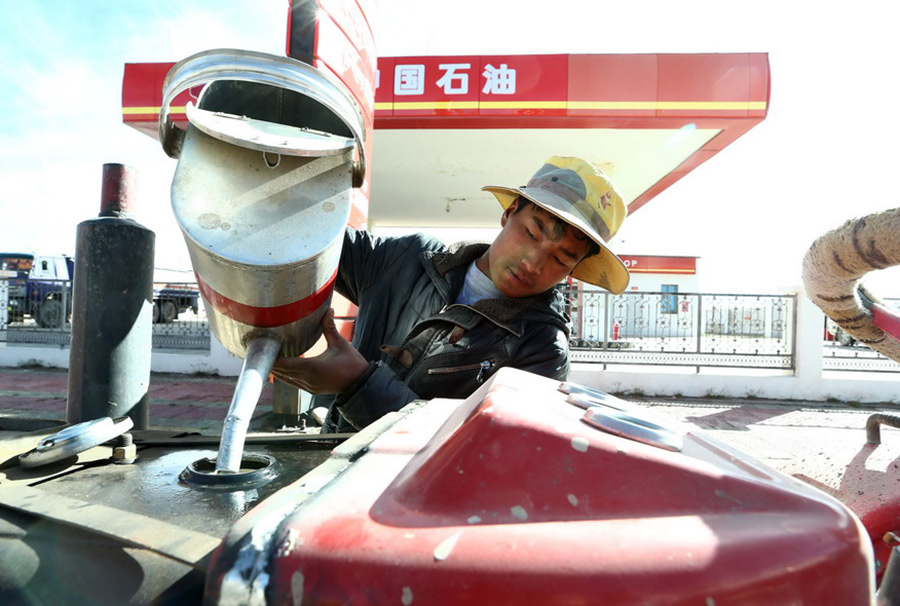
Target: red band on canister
(267, 317)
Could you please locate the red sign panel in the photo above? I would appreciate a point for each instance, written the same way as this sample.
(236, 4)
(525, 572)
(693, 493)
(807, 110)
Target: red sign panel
(728, 92)
(649, 85)
(643, 264)
(471, 86)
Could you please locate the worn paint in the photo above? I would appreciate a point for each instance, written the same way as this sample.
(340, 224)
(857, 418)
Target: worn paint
(297, 588)
(442, 551)
(519, 512)
(573, 500)
(290, 540)
(245, 583)
(580, 444)
(407, 597)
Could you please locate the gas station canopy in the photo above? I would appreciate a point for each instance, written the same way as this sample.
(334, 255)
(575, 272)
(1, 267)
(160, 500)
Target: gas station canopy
(446, 126)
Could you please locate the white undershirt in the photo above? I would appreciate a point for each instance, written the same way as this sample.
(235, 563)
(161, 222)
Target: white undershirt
(477, 287)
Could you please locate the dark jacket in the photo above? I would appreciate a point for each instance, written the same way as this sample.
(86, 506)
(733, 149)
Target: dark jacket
(419, 343)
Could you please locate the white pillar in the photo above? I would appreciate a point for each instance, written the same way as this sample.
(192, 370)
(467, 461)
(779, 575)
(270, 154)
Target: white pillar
(808, 352)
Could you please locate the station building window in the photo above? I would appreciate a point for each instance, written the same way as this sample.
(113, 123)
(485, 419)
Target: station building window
(669, 299)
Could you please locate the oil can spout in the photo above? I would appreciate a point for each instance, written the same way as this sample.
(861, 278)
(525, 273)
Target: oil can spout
(261, 355)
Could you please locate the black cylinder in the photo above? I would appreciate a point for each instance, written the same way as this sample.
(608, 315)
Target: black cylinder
(112, 303)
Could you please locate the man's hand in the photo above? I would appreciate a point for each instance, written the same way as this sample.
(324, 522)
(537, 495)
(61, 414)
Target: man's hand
(333, 371)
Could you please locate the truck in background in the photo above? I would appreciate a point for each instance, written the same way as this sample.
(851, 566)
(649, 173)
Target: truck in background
(169, 300)
(14, 268)
(41, 287)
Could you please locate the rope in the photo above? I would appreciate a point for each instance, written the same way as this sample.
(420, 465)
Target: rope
(836, 262)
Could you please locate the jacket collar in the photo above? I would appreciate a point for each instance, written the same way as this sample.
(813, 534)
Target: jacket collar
(457, 255)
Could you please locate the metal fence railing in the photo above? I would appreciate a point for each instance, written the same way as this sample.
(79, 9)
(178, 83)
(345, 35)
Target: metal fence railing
(36, 311)
(634, 328)
(843, 353)
(34, 315)
(683, 329)
(188, 331)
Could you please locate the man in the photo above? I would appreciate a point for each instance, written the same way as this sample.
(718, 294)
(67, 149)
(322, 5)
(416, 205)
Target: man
(437, 321)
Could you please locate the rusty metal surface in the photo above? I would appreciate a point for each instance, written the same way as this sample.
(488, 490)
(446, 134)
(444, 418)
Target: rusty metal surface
(176, 542)
(150, 487)
(78, 519)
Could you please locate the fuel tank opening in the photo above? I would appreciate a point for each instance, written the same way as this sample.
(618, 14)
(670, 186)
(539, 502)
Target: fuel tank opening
(255, 470)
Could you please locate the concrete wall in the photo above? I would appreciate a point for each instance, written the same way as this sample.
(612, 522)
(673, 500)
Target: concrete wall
(217, 361)
(807, 382)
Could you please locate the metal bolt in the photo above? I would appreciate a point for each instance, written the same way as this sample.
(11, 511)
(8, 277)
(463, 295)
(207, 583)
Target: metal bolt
(891, 539)
(124, 450)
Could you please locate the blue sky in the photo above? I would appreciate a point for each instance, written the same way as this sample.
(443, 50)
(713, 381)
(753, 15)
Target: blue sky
(62, 109)
(827, 151)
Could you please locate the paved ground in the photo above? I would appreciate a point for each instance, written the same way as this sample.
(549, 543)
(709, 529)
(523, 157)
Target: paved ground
(176, 401)
(200, 403)
(787, 435)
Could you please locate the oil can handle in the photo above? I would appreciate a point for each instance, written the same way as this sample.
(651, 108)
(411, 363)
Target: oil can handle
(261, 68)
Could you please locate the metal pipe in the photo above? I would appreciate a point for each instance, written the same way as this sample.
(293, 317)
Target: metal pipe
(874, 423)
(261, 355)
(112, 303)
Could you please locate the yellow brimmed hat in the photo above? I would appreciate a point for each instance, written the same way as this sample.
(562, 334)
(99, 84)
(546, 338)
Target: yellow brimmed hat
(580, 194)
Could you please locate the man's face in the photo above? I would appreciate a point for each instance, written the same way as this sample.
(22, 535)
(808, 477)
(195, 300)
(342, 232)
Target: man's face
(533, 252)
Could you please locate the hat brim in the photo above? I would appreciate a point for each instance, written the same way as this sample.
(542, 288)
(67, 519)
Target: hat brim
(605, 269)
